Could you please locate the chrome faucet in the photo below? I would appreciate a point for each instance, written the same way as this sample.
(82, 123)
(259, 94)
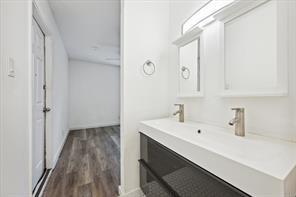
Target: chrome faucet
(238, 121)
(180, 112)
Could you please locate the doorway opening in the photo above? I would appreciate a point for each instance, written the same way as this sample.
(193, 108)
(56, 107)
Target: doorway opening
(41, 100)
(84, 158)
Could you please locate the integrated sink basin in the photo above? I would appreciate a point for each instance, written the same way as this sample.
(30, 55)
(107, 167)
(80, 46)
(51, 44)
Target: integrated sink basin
(257, 165)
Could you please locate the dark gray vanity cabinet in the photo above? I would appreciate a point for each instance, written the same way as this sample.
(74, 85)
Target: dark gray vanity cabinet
(165, 173)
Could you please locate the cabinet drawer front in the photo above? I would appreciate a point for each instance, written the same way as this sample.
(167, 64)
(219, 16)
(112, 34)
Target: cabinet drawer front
(151, 184)
(184, 177)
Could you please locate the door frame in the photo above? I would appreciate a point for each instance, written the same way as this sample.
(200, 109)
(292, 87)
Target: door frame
(1, 93)
(37, 15)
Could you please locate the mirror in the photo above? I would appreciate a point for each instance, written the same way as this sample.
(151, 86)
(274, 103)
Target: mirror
(252, 53)
(190, 69)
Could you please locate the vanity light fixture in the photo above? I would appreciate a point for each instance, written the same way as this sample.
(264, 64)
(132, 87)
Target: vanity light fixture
(204, 15)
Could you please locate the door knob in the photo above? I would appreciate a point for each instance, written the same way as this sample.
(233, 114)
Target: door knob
(46, 109)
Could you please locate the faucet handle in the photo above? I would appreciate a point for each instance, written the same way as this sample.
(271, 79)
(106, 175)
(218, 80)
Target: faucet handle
(238, 108)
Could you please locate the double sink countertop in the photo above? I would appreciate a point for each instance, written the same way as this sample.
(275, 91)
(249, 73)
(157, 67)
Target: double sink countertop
(258, 165)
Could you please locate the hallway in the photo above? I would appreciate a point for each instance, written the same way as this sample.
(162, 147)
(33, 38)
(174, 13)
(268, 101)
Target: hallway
(89, 165)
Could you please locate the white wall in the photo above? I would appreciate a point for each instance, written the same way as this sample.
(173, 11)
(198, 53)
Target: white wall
(59, 83)
(144, 35)
(16, 95)
(271, 116)
(94, 94)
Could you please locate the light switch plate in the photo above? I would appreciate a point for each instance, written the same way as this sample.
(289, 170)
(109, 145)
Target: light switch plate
(11, 67)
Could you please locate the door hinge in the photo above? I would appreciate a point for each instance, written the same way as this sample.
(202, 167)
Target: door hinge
(46, 109)
(44, 87)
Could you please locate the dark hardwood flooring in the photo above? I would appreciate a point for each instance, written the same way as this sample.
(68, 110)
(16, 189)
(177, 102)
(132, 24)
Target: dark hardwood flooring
(89, 165)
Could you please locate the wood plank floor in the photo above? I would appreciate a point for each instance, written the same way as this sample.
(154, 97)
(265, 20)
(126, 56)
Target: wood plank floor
(89, 165)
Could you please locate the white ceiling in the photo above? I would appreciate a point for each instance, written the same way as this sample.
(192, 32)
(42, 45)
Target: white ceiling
(90, 29)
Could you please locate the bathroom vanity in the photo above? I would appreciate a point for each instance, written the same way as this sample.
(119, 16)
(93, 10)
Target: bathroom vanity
(194, 159)
(165, 173)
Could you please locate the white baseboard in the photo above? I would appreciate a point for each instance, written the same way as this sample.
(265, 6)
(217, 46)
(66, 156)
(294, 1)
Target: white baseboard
(133, 193)
(104, 124)
(58, 153)
(120, 190)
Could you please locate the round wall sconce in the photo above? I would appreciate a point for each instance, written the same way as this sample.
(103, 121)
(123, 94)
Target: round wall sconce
(149, 68)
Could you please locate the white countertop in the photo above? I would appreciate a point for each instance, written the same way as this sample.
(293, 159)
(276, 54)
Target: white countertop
(275, 158)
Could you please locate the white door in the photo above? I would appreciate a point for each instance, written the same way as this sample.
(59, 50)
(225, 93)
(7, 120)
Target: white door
(38, 102)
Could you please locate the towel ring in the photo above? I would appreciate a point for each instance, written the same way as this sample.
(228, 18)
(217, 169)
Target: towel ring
(149, 68)
(185, 72)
